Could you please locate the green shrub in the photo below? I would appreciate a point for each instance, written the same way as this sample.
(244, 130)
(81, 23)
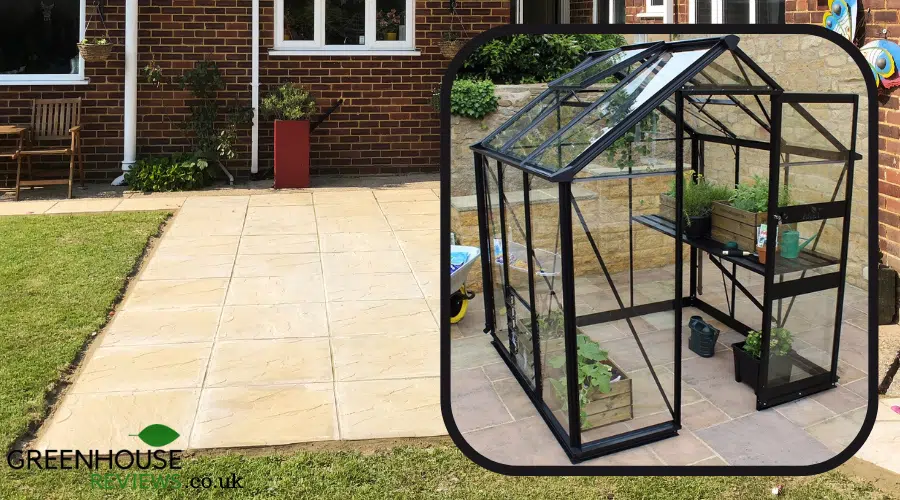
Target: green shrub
(289, 102)
(698, 197)
(755, 197)
(473, 98)
(178, 173)
(533, 58)
(780, 342)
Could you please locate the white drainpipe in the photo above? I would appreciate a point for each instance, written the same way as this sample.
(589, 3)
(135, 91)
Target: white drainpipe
(131, 57)
(254, 86)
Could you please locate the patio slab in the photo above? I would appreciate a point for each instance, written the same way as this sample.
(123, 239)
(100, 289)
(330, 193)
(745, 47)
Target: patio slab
(258, 319)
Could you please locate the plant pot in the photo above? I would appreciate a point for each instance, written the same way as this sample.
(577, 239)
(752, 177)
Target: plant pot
(761, 254)
(291, 154)
(703, 337)
(449, 48)
(95, 52)
(603, 409)
(390, 36)
(746, 367)
(698, 228)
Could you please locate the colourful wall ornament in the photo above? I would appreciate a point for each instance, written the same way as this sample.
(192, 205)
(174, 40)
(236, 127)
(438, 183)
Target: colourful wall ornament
(883, 55)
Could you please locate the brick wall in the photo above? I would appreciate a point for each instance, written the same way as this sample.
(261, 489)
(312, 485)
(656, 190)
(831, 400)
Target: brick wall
(386, 124)
(102, 113)
(581, 11)
(883, 15)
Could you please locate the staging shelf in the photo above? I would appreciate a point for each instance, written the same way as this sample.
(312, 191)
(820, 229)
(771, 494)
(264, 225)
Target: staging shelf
(804, 262)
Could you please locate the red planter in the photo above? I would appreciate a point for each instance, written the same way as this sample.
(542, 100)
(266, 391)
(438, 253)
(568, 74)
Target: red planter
(291, 154)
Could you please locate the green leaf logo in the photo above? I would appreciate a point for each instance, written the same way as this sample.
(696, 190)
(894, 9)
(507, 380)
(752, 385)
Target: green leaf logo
(157, 435)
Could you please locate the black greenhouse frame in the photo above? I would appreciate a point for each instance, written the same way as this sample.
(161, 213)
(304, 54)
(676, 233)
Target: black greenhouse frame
(692, 89)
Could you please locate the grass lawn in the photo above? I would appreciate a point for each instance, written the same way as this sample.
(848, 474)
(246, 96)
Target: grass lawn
(60, 274)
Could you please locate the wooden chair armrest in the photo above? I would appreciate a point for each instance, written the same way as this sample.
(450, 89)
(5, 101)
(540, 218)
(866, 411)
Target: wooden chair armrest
(76, 129)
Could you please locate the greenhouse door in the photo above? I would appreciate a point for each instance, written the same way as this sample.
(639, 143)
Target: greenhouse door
(810, 183)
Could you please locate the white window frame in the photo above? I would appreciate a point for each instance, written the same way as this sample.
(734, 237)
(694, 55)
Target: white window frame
(658, 10)
(718, 11)
(317, 45)
(39, 79)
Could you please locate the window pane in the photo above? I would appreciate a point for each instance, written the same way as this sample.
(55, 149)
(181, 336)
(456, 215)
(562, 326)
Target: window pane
(656, 3)
(39, 38)
(769, 12)
(736, 11)
(298, 20)
(704, 11)
(345, 22)
(390, 20)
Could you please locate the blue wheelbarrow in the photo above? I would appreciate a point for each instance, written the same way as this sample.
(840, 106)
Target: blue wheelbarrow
(461, 261)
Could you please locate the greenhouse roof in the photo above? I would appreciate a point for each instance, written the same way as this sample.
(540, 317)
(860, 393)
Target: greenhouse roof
(584, 112)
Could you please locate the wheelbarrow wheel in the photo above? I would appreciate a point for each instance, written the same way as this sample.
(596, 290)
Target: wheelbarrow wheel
(459, 302)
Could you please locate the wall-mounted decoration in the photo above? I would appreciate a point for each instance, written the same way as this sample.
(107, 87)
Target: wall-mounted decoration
(883, 56)
(842, 18)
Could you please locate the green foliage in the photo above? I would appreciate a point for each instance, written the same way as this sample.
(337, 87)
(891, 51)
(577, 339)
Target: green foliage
(288, 102)
(698, 196)
(178, 173)
(594, 374)
(533, 58)
(473, 98)
(779, 344)
(755, 197)
(214, 126)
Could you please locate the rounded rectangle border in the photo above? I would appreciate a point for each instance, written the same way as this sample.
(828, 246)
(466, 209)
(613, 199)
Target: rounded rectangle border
(660, 470)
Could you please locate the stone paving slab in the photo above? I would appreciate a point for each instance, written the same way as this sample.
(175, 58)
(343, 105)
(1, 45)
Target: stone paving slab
(264, 319)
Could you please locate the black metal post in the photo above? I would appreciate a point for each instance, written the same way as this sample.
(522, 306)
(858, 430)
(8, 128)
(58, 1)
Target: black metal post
(771, 234)
(508, 299)
(487, 251)
(569, 330)
(679, 221)
(535, 329)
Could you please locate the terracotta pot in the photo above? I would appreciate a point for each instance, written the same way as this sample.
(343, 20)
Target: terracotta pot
(761, 251)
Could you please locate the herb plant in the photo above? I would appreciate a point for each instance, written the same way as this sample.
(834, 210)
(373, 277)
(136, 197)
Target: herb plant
(698, 197)
(755, 197)
(779, 344)
(473, 98)
(177, 173)
(288, 102)
(594, 375)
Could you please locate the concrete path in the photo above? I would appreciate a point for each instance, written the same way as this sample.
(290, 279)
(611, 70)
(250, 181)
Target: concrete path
(267, 319)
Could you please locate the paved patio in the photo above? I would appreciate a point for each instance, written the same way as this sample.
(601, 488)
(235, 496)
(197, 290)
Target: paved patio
(266, 319)
(721, 424)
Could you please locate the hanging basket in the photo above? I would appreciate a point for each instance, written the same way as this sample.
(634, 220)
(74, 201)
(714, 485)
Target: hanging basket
(95, 52)
(449, 48)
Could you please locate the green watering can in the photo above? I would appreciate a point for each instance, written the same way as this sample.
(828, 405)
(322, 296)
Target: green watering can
(791, 245)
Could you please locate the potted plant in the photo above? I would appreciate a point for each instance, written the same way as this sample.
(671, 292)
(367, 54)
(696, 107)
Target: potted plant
(747, 357)
(388, 24)
(291, 107)
(697, 201)
(738, 218)
(451, 42)
(604, 391)
(96, 50)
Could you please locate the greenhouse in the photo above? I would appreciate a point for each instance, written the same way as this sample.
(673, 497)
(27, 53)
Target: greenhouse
(583, 197)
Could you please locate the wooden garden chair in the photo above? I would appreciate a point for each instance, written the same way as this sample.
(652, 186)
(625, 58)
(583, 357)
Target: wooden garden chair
(53, 121)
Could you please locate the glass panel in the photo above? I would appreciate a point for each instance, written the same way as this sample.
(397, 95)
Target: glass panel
(625, 388)
(298, 20)
(39, 38)
(769, 12)
(648, 147)
(615, 108)
(703, 10)
(390, 20)
(493, 218)
(820, 126)
(542, 131)
(509, 129)
(579, 77)
(520, 342)
(345, 22)
(736, 11)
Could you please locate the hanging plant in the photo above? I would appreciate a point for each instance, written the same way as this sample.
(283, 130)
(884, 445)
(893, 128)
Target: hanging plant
(451, 42)
(152, 73)
(96, 50)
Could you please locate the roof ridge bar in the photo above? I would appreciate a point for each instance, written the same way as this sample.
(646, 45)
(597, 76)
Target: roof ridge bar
(646, 64)
(648, 106)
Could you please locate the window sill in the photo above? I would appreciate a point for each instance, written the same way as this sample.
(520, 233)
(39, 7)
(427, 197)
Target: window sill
(37, 81)
(338, 52)
(650, 15)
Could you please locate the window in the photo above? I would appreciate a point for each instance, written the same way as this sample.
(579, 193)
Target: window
(39, 40)
(736, 11)
(344, 25)
(655, 6)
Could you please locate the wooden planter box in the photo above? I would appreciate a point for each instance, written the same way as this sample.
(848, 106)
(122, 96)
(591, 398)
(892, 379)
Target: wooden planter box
(732, 224)
(667, 207)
